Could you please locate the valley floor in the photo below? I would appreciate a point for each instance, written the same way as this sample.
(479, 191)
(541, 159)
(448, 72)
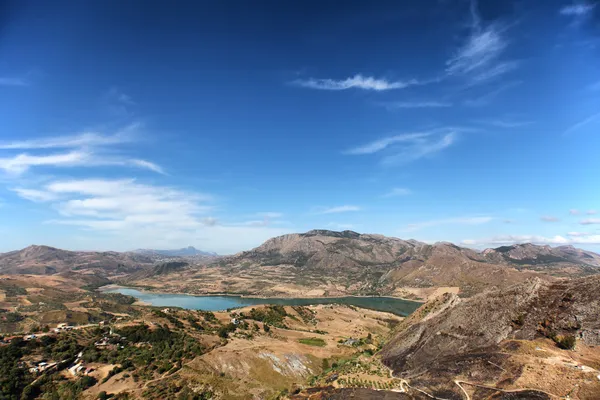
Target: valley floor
(275, 281)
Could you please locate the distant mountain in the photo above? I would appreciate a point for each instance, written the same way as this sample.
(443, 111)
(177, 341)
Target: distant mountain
(376, 263)
(330, 263)
(189, 251)
(566, 259)
(45, 260)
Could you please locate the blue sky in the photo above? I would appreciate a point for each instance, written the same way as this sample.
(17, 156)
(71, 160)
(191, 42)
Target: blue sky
(219, 124)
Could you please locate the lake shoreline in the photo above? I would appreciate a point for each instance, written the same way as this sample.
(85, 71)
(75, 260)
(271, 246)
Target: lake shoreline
(221, 302)
(114, 286)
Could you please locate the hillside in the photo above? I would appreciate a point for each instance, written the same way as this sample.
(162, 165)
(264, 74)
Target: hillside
(328, 263)
(503, 338)
(45, 260)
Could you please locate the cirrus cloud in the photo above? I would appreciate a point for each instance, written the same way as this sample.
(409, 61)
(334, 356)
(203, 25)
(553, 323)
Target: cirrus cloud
(577, 9)
(590, 221)
(479, 56)
(336, 209)
(407, 147)
(549, 218)
(398, 192)
(355, 82)
(87, 149)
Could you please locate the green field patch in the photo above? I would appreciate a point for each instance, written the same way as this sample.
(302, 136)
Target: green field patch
(313, 342)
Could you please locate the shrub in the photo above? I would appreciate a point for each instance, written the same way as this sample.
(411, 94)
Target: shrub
(520, 320)
(226, 329)
(566, 342)
(272, 315)
(208, 316)
(14, 317)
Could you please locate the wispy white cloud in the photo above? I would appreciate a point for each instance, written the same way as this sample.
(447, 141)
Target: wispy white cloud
(35, 195)
(415, 104)
(267, 218)
(336, 209)
(355, 82)
(7, 81)
(504, 123)
(119, 206)
(591, 212)
(114, 93)
(483, 46)
(495, 71)
(22, 162)
(578, 9)
(579, 234)
(420, 149)
(119, 103)
(586, 121)
(87, 139)
(147, 165)
(478, 58)
(398, 192)
(549, 218)
(381, 144)
(590, 221)
(574, 211)
(407, 147)
(448, 221)
(88, 149)
(490, 96)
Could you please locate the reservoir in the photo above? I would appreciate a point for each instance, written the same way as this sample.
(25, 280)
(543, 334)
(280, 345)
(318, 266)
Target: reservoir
(218, 303)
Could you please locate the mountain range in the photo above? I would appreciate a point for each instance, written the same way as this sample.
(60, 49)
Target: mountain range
(318, 263)
(329, 263)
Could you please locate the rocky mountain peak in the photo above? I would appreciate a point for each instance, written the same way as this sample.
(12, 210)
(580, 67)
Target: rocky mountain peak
(324, 232)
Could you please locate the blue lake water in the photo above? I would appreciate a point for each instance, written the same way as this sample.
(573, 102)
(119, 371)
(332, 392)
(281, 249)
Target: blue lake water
(219, 303)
